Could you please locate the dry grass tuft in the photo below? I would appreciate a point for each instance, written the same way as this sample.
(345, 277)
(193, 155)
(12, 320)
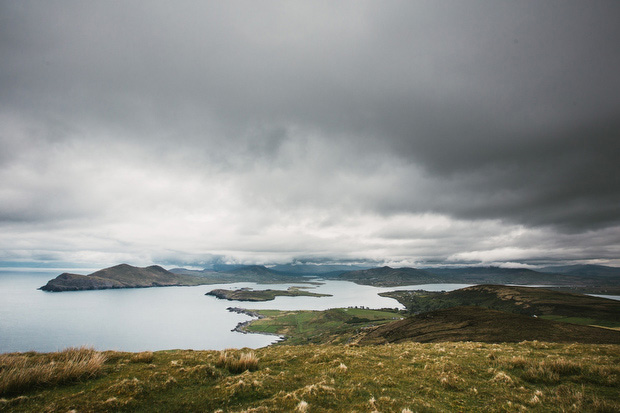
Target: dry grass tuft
(502, 377)
(143, 357)
(245, 361)
(22, 372)
(302, 406)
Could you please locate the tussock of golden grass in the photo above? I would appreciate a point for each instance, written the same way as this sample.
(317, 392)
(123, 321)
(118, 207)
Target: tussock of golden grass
(449, 381)
(237, 364)
(143, 357)
(21, 372)
(502, 377)
(302, 407)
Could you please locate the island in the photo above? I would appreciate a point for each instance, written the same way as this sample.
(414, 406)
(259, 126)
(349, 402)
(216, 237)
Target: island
(121, 276)
(248, 294)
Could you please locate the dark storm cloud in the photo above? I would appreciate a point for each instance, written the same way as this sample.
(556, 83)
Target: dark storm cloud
(479, 110)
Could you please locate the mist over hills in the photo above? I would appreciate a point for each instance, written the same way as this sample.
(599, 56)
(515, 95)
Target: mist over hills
(583, 269)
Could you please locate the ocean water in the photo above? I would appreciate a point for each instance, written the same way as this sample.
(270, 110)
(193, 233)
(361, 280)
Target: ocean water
(160, 318)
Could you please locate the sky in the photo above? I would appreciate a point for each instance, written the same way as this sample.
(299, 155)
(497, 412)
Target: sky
(403, 133)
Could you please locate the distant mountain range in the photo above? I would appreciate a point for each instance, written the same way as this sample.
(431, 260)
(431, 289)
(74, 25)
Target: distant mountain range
(590, 278)
(604, 280)
(581, 270)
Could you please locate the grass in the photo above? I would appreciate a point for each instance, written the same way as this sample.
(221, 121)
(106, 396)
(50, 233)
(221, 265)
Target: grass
(528, 376)
(143, 357)
(335, 326)
(237, 363)
(25, 371)
(555, 305)
(585, 321)
(485, 325)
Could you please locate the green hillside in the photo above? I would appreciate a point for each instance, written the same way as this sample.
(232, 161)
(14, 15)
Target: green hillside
(337, 325)
(485, 325)
(541, 302)
(411, 377)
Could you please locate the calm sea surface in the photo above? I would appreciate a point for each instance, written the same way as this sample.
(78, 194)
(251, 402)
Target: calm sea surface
(154, 318)
(151, 318)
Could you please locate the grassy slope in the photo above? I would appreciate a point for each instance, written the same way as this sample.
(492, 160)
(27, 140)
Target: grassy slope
(561, 306)
(530, 376)
(337, 325)
(485, 325)
(246, 294)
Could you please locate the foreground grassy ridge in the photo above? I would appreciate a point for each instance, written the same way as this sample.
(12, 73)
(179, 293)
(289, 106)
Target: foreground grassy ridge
(336, 326)
(528, 376)
(20, 372)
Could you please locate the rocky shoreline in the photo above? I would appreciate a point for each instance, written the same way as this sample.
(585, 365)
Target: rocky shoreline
(240, 328)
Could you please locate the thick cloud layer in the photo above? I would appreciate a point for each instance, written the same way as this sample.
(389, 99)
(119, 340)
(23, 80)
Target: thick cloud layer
(401, 132)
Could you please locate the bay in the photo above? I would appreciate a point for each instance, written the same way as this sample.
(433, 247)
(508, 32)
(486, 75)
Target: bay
(139, 319)
(161, 318)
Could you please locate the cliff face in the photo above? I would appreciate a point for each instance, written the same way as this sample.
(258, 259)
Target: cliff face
(120, 276)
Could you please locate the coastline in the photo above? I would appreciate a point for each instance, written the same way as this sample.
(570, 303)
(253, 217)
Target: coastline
(241, 327)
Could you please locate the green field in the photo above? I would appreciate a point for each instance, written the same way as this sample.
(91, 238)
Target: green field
(337, 325)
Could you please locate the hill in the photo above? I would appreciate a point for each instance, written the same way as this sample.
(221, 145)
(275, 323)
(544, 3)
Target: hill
(577, 308)
(482, 313)
(589, 270)
(601, 280)
(315, 269)
(407, 377)
(127, 276)
(485, 325)
(120, 276)
(242, 273)
(389, 277)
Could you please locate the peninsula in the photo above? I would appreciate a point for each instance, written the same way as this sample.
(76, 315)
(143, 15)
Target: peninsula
(121, 276)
